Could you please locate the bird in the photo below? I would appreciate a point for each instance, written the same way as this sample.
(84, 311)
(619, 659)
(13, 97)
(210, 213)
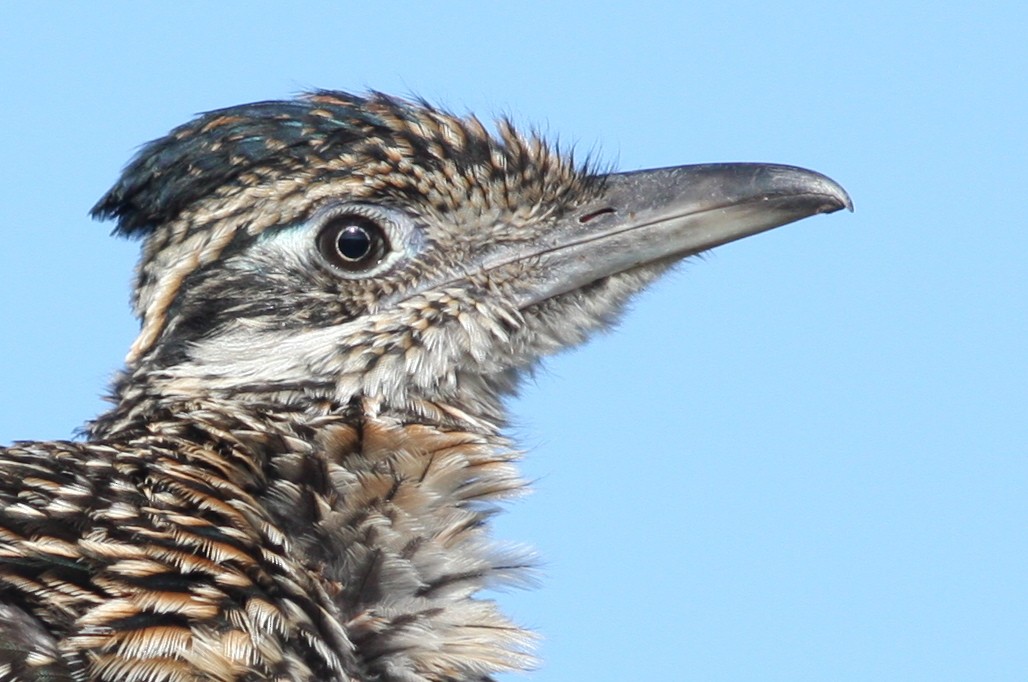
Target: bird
(336, 294)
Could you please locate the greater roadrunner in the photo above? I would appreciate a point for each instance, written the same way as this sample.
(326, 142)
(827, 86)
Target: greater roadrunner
(336, 294)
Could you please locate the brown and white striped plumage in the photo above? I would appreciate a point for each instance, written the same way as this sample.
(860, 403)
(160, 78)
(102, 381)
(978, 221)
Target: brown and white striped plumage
(271, 544)
(295, 476)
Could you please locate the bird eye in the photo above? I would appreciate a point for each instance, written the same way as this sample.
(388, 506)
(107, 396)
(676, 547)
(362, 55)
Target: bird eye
(352, 242)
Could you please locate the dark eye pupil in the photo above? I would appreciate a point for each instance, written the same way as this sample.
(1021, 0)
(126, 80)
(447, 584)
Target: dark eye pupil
(353, 242)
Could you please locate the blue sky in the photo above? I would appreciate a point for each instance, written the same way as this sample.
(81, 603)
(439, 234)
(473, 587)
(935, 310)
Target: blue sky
(802, 457)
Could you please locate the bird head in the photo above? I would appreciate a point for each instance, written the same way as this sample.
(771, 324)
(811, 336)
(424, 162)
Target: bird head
(337, 246)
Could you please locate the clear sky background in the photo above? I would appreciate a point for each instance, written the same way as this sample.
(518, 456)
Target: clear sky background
(803, 457)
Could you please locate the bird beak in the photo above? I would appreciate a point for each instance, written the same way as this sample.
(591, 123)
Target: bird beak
(665, 214)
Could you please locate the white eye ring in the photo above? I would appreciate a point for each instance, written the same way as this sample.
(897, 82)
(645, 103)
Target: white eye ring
(363, 240)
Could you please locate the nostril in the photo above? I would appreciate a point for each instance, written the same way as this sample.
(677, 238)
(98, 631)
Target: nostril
(595, 214)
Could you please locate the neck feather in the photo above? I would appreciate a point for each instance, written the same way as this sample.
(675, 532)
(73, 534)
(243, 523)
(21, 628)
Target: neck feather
(385, 511)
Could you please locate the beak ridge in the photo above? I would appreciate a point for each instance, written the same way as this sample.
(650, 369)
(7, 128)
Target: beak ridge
(653, 216)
